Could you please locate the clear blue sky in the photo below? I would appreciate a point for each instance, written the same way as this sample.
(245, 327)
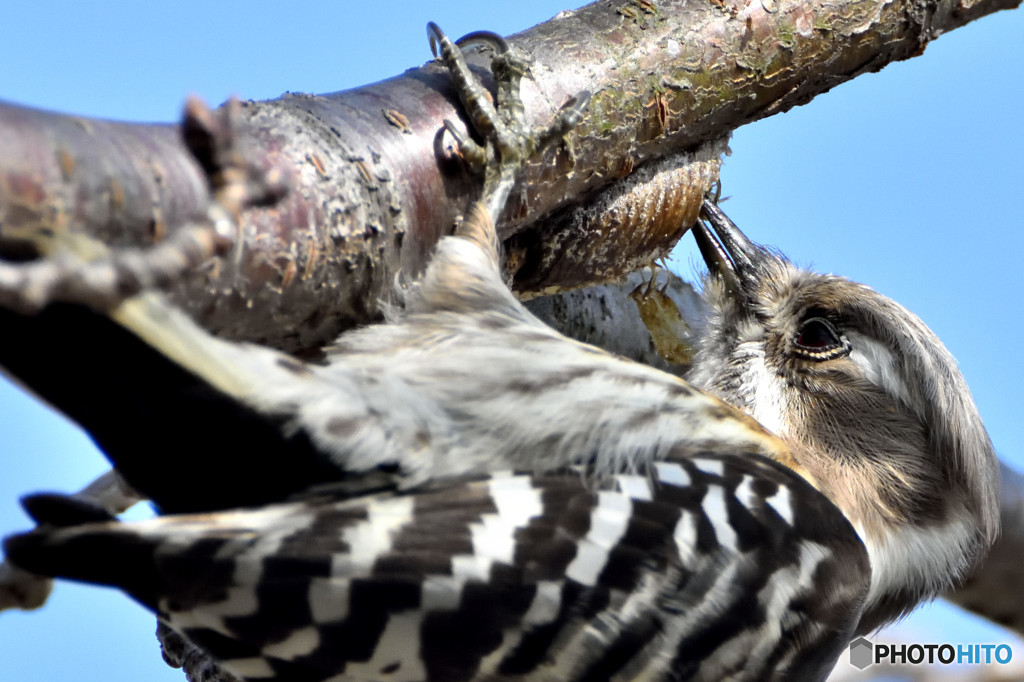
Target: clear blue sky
(909, 180)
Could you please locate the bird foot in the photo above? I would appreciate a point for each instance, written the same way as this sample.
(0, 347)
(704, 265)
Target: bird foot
(501, 122)
(73, 267)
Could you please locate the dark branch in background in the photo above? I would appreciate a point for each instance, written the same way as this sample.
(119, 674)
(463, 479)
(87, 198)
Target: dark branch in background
(370, 196)
(993, 591)
(612, 316)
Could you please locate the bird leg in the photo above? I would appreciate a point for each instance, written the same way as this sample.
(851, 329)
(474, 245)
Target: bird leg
(508, 140)
(508, 144)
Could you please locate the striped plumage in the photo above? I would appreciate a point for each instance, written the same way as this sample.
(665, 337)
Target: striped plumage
(711, 567)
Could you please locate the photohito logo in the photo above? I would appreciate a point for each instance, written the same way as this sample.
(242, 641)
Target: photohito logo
(863, 653)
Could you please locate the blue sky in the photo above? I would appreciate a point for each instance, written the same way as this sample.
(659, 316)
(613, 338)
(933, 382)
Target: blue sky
(909, 180)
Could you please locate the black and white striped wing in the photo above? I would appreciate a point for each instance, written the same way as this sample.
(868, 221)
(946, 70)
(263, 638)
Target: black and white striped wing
(707, 568)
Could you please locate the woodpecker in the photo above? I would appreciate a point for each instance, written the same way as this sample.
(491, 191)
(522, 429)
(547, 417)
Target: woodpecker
(518, 503)
(462, 493)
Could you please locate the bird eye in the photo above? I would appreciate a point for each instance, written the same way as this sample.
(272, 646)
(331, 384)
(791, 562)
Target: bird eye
(818, 339)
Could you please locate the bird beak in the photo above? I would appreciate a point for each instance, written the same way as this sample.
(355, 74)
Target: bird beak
(727, 252)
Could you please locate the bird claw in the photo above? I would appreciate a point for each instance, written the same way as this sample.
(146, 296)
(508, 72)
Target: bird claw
(472, 153)
(509, 142)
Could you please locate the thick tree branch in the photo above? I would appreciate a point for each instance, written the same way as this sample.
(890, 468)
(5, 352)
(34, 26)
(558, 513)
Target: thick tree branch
(370, 195)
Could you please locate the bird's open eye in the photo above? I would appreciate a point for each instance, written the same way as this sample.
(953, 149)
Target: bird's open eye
(818, 339)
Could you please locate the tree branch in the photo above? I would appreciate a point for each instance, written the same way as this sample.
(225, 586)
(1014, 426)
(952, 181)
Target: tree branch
(993, 588)
(370, 195)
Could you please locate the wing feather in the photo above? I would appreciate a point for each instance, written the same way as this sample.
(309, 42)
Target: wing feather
(703, 567)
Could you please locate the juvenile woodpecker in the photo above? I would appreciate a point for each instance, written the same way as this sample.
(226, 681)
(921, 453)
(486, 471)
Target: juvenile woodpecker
(542, 508)
(464, 494)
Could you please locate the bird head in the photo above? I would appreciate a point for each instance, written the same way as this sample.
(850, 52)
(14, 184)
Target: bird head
(871, 404)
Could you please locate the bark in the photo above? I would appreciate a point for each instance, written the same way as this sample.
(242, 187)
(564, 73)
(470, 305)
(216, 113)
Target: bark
(374, 184)
(609, 315)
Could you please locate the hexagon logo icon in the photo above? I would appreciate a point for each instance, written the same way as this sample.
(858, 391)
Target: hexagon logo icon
(861, 653)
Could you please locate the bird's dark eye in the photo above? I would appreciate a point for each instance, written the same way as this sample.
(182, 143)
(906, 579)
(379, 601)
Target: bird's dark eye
(818, 339)
(816, 334)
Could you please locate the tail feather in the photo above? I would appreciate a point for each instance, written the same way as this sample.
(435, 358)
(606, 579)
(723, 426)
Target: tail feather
(170, 562)
(97, 553)
(55, 509)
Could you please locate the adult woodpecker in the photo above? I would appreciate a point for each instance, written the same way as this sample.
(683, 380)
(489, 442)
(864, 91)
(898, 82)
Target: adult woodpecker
(463, 493)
